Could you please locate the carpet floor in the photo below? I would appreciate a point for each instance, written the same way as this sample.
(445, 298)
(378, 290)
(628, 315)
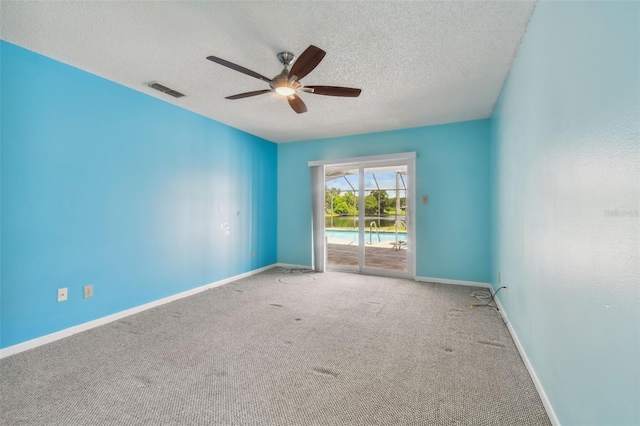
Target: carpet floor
(282, 348)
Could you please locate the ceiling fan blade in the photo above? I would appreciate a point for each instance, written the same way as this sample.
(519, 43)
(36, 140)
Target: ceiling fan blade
(297, 104)
(347, 92)
(248, 94)
(309, 59)
(238, 68)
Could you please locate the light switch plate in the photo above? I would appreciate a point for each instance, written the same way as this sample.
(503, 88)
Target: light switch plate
(62, 294)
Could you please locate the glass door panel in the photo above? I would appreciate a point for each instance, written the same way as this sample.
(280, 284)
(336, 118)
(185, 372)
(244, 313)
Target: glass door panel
(383, 213)
(342, 218)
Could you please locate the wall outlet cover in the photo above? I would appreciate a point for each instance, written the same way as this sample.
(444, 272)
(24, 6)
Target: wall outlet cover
(88, 291)
(62, 294)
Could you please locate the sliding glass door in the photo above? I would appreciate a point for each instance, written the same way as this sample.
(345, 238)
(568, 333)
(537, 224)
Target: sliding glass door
(367, 217)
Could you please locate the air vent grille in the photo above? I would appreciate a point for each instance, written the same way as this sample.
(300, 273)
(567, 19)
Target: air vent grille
(165, 89)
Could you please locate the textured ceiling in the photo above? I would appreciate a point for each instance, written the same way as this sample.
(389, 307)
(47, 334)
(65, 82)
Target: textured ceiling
(417, 63)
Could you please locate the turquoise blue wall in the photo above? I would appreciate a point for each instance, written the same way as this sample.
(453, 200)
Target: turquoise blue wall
(105, 185)
(452, 168)
(566, 173)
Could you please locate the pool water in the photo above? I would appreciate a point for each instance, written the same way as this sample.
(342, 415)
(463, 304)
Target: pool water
(353, 235)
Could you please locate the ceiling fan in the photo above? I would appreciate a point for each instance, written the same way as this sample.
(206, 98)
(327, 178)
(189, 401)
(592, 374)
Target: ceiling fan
(287, 83)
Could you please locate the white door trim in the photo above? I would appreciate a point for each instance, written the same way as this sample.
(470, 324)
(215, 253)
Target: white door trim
(365, 159)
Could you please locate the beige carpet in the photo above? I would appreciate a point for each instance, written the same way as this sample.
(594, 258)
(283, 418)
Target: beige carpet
(283, 349)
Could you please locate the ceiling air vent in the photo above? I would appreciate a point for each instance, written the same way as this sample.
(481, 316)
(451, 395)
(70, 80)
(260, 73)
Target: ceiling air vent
(165, 89)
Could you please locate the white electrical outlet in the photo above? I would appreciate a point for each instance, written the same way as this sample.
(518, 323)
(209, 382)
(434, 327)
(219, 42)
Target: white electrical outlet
(253, 253)
(62, 294)
(88, 291)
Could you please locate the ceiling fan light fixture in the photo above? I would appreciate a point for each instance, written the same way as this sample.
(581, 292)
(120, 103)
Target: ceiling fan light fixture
(285, 90)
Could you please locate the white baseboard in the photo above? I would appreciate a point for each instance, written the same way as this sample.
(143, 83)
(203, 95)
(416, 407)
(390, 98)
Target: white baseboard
(43, 340)
(453, 282)
(543, 395)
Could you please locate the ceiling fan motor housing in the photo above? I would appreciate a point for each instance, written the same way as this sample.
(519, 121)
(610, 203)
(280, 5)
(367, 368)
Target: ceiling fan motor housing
(282, 80)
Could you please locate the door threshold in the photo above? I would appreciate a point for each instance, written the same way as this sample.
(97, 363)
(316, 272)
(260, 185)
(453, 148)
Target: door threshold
(375, 273)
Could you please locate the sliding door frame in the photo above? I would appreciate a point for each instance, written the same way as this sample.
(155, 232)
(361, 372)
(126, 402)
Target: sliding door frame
(362, 163)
